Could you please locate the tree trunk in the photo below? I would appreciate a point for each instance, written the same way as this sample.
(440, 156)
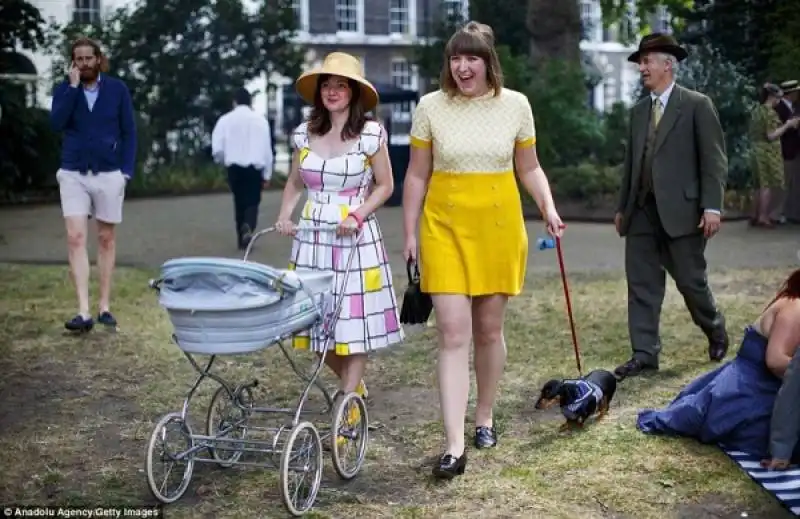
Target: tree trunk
(555, 27)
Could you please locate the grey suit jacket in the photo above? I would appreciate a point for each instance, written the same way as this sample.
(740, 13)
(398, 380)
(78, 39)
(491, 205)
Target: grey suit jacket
(690, 166)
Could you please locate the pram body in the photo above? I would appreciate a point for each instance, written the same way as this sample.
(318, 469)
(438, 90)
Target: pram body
(222, 306)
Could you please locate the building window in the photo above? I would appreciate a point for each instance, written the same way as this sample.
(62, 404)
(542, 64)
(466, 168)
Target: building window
(403, 76)
(398, 17)
(86, 12)
(297, 7)
(663, 20)
(628, 25)
(347, 15)
(455, 9)
(587, 24)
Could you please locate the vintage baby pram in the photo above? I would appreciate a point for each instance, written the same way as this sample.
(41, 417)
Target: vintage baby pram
(221, 306)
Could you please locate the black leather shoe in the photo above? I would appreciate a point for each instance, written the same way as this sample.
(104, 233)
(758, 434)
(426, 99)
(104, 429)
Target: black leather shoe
(633, 368)
(718, 343)
(449, 466)
(485, 437)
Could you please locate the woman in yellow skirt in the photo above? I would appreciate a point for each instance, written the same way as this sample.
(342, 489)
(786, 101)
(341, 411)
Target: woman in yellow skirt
(467, 139)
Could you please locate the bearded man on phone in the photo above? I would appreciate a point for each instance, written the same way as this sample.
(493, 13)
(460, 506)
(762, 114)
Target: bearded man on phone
(94, 113)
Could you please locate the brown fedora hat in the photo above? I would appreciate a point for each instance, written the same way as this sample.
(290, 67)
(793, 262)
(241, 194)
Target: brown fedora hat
(659, 42)
(790, 86)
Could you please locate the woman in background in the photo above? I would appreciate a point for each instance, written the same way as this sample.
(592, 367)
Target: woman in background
(765, 155)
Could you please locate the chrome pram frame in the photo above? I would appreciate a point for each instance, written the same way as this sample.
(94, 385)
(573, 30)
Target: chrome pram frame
(295, 447)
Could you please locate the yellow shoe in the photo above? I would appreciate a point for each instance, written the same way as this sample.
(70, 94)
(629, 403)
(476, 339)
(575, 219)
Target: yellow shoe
(361, 389)
(352, 418)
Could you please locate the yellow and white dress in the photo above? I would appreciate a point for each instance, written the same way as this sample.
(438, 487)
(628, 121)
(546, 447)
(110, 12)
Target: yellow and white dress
(472, 233)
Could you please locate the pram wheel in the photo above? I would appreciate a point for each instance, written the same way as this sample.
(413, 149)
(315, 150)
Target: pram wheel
(171, 428)
(301, 469)
(227, 419)
(349, 435)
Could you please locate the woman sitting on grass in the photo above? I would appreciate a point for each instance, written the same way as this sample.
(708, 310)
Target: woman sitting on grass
(732, 405)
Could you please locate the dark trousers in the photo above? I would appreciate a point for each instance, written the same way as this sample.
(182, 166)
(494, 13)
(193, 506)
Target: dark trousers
(245, 184)
(785, 423)
(650, 253)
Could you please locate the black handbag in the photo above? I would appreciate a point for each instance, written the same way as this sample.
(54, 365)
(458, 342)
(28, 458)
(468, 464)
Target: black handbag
(417, 305)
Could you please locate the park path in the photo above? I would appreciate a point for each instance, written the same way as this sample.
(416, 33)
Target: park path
(159, 229)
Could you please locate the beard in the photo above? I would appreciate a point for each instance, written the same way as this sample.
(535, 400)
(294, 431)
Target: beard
(91, 73)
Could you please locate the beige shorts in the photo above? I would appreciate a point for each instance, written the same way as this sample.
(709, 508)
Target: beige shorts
(100, 195)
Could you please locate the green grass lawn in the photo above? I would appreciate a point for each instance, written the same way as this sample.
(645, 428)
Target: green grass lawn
(76, 413)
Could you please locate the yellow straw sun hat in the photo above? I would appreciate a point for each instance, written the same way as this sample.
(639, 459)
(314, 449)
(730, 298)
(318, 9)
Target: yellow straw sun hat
(338, 64)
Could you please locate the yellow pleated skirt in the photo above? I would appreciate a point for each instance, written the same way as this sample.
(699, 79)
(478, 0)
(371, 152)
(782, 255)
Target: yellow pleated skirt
(472, 235)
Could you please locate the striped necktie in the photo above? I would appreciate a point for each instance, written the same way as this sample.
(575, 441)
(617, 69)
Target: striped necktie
(657, 111)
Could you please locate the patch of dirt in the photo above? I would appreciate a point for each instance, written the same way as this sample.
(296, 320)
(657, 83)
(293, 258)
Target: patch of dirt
(403, 406)
(31, 398)
(71, 425)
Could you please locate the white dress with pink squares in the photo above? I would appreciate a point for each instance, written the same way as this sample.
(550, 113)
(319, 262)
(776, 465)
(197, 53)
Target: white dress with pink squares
(369, 317)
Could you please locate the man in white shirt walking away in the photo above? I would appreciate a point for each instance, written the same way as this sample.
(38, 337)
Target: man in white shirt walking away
(241, 141)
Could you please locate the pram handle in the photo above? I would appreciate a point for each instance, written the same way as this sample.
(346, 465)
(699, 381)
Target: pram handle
(312, 228)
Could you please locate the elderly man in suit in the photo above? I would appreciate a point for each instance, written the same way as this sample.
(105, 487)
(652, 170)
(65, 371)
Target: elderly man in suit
(788, 108)
(670, 203)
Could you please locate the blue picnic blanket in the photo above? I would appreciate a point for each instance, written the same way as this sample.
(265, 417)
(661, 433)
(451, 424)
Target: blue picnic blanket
(783, 484)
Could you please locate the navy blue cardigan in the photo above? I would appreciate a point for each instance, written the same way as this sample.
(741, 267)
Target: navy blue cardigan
(100, 140)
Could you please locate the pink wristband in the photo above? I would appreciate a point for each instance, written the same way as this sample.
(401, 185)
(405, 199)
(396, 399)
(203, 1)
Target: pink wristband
(358, 219)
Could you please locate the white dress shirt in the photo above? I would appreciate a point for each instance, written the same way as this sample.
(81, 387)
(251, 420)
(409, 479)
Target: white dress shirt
(242, 137)
(664, 98)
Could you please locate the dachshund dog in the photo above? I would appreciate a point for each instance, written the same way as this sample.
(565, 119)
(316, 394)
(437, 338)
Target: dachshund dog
(580, 398)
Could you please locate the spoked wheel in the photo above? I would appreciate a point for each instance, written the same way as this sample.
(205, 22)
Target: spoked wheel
(168, 475)
(301, 469)
(224, 414)
(349, 435)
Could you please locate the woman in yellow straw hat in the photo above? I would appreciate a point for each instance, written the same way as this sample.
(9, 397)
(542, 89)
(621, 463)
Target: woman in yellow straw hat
(468, 139)
(340, 158)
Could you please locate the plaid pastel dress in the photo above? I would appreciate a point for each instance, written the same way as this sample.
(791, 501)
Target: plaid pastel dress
(369, 317)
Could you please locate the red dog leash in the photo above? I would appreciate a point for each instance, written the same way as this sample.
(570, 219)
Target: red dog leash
(569, 305)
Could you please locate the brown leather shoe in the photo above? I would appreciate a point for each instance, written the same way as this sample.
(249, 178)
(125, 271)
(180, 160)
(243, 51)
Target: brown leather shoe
(633, 368)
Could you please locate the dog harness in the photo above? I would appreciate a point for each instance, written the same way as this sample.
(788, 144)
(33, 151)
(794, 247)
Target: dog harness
(587, 391)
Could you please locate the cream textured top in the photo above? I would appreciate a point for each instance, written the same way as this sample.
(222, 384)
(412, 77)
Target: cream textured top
(473, 135)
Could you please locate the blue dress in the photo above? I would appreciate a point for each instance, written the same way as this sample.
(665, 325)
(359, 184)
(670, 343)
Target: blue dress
(730, 406)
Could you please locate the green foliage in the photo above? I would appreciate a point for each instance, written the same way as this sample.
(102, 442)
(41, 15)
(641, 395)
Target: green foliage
(741, 30)
(615, 135)
(29, 148)
(586, 181)
(784, 60)
(707, 71)
(21, 25)
(568, 130)
(26, 143)
(507, 19)
(615, 11)
(181, 177)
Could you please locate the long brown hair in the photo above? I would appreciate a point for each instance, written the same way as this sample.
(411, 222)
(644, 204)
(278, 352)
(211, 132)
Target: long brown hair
(474, 39)
(790, 288)
(85, 41)
(319, 122)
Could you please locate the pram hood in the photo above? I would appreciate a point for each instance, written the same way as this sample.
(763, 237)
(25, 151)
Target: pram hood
(222, 284)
